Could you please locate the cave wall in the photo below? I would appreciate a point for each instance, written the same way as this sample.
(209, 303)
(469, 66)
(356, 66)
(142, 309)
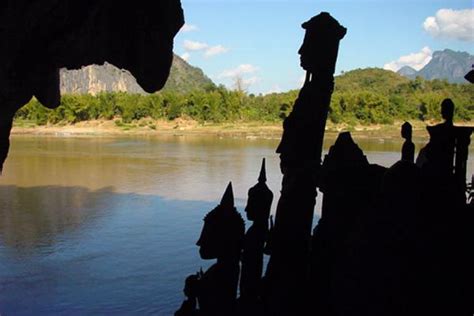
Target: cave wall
(38, 37)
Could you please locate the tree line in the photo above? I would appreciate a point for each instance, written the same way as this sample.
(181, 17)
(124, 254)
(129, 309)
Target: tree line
(365, 96)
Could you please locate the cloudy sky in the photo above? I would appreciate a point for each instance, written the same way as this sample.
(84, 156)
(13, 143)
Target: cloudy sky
(257, 40)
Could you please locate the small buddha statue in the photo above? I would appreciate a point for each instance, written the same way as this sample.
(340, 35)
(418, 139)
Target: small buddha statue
(258, 211)
(221, 238)
(408, 148)
(191, 290)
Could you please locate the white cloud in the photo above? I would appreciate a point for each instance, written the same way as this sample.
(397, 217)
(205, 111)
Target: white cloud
(252, 80)
(240, 77)
(238, 71)
(209, 51)
(452, 24)
(189, 28)
(194, 46)
(243, 84)
(274, 89)
(215, 50)
(186, 56)
(414, 60)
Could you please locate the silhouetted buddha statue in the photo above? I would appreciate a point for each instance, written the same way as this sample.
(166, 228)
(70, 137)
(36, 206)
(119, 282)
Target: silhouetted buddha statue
(300, 158)
(258, 210)
(303, 129)
(191, 290)
(408, 148)
(372, 269)
(440, 152)
(444, 159)
(446, 262)
(221, 238)
(344, 179)
(350, 185)
(470, 75)
(344, 153)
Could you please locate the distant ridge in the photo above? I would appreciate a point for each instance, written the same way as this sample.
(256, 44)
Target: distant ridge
(447, 64)
(408, 72)
(369, 79)
(94, 79)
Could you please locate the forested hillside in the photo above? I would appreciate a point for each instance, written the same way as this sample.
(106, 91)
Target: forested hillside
(185, 78)
(378, 96)
(363, 96)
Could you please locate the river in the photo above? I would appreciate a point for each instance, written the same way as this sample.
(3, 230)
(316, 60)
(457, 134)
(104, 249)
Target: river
(102, 225)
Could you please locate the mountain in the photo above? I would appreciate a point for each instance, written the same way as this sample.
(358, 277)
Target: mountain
(447, 64)
(185, 78)
(408, 72)
(98, 78)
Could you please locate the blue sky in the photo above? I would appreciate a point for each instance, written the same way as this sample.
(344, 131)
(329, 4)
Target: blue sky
(258, 40)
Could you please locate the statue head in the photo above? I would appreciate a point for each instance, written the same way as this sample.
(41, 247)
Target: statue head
(223, 230)
(470, 75)
(406, 130)
(259, 199)
(447, 110)
(318, 53)
(191, 285)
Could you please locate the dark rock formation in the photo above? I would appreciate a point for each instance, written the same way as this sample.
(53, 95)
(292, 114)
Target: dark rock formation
(40, 37)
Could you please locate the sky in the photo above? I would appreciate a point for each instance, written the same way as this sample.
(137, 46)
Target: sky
(258, 40)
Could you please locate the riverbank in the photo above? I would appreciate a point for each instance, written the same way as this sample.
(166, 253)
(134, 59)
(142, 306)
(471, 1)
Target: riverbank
(148, 127)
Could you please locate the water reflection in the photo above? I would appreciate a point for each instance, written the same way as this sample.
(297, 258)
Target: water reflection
(95, 252)
(33, 217)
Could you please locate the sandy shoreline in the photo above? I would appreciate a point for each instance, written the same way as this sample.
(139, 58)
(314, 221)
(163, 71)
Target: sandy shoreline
(177, 127)
(188, 127)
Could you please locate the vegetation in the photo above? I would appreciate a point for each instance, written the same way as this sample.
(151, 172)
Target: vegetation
(365, 96)
(185, 78)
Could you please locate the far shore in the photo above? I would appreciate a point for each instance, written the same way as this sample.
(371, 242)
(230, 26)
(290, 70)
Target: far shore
(181, 127)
